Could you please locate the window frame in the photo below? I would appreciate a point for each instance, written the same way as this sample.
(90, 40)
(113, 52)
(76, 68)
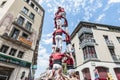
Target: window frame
(11, 53)
(25, 10)
(19, 55)
(118, 38)
(33, 16)
(20, 20)
(5, 50)
(3, 3)
(13, 32)
(32, 5)
(28, 27)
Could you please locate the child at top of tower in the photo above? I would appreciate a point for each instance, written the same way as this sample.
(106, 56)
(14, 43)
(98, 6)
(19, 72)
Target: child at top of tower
(60, 13)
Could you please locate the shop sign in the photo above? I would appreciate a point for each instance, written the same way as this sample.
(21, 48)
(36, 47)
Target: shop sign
(12, 60)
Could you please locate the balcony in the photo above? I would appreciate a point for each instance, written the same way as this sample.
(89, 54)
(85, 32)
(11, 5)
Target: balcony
(25, 41)
(109, 43)
(21, 26)
(21, 41)
(84, 30)
(116, 58)
(87, 42)
(90, 57)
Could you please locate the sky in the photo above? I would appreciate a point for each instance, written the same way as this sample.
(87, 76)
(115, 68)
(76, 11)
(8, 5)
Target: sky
(95, 11)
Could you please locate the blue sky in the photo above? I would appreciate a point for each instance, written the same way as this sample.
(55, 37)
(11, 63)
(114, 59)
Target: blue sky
(96, 11)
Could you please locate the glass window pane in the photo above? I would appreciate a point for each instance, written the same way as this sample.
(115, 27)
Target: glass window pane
(25, 10)
(28, 26)
(20, 20)
(4, 49)
(12, 52)
(32, 16)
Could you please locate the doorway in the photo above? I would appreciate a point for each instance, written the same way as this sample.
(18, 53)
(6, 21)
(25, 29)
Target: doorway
(5, 73)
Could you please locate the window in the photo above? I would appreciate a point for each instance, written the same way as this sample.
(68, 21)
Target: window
(15, 33)
(13, 51)
(25, 35)
(3, 3)
(28, 26)
(36, 9)
(118, 38)
(112, 52)
(106, 38)
(32, 5)
(20, 54)
(4, 49)
(89, 52)
(85, 36)
(25, 10)
(32, 16)
(20, 20)
(27, 1)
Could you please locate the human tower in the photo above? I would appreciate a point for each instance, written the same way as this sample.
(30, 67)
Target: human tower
(61, 64)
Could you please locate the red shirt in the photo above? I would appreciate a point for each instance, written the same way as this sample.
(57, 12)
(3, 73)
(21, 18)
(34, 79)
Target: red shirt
(57, 56)
(59, 32)
(69, 61)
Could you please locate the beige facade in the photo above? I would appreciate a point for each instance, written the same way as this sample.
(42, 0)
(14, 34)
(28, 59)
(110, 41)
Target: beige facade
(20, 31)
(97, 47)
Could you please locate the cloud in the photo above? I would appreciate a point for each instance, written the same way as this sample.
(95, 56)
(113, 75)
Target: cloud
(113, 1)
(42, 62)
(47, 38)
(68, 5)
(100, 17)
(91, 8)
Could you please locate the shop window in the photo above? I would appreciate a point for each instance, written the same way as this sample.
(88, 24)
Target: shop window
(15, 33)
(12, 51)
(32, 16)
(20, 54)
(20, 20)
(25, 10)
(4, 48)
(28, 26)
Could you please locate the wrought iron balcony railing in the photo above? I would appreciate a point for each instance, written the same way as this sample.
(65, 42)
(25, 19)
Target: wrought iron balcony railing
(109, 43)
(87, 42)
(84, 30)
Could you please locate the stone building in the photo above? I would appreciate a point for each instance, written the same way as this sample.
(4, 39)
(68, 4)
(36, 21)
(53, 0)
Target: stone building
(20, 31)
(97, 50)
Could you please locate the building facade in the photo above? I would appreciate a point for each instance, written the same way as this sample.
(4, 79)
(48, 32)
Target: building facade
(20, 31)
(97, 51)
